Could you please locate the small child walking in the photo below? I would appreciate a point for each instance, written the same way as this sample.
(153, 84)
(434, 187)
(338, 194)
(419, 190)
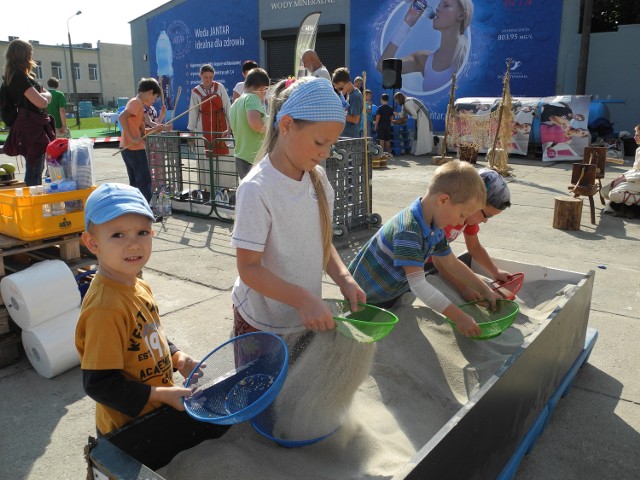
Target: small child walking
(127, 361)
(282, 235)
(382, 123)
(392, 262)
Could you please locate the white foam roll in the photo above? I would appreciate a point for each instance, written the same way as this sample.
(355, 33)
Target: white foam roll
(39, 293)
(51, 347)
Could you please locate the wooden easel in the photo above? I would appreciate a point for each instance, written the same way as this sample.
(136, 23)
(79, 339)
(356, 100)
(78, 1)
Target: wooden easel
(583, 180)
(598, 156)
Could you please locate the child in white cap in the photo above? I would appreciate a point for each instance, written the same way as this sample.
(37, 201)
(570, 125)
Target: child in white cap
(127, 361)
(498, 200)
(392, 262)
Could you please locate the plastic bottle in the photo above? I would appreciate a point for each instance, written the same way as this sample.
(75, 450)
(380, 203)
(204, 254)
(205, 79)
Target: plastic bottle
(47, 185)
(19, 192)
(66, 185)
(81, 160)
(154, 203)
(164, 59)
(160, 202)
(166, 205)
(57, 208)
(46, 207)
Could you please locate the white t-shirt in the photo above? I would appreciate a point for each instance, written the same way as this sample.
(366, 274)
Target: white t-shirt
(322, 72)
(239, 88)
(279, 217)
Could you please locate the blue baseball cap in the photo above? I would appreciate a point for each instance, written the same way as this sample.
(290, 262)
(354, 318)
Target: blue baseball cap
(112, 200)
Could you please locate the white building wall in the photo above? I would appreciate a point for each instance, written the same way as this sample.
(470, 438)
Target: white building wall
(613, 68)
(115, 69)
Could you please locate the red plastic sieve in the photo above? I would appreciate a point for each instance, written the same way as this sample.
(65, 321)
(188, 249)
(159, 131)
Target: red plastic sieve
(509, 288)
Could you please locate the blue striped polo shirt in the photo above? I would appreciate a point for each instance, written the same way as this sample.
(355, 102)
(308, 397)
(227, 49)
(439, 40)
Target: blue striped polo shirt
(405, 240)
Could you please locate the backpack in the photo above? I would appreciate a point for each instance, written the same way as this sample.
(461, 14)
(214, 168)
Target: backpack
(8, 107)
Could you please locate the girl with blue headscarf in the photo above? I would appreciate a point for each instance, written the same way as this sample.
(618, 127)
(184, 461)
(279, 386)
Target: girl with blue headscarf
(282, 235)
(283, 226)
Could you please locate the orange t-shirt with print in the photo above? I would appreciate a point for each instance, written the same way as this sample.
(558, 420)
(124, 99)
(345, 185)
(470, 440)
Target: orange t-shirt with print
(119, 329)
(135, 108)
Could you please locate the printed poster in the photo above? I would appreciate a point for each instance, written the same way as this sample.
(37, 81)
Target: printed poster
(482, 35)
(183, 38)
(563, 127)
(476, 122)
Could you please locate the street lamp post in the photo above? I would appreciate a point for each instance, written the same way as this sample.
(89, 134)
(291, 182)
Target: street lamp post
(73, 73)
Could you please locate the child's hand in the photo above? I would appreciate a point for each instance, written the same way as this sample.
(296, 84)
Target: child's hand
(502, 276)
(184, 364)
(465, 323)
(352, 292)
(171, 396)
(492, 298)
(316, 315)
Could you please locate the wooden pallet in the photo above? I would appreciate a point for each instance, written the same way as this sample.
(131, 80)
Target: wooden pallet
(16, 254)
(5, 319)
(10, 348)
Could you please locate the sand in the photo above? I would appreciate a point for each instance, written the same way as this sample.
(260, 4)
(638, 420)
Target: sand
(422, 374)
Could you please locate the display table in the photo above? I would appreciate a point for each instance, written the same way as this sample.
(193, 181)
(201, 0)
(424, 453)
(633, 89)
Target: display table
(110, 118)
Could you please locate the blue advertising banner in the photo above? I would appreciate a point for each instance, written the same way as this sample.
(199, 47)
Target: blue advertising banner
(221, 33)
(473, 40)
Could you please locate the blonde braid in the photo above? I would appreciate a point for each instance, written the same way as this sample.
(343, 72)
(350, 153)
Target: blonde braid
(326, 221)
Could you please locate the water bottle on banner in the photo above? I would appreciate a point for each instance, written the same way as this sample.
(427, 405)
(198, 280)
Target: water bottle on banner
(423, 6)
(164, 59)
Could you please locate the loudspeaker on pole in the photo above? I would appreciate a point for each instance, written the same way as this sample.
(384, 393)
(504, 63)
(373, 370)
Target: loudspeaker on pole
(391, 73)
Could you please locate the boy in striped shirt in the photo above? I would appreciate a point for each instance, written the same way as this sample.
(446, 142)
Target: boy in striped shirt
(392, 261)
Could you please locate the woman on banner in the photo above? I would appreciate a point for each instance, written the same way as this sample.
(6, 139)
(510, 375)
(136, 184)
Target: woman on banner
(209, 114)
(452, 19)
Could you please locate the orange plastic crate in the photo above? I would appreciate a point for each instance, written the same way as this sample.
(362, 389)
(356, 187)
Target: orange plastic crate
(21, 217)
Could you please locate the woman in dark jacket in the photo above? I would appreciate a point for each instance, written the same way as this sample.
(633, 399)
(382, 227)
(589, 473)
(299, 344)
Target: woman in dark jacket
(31, 132)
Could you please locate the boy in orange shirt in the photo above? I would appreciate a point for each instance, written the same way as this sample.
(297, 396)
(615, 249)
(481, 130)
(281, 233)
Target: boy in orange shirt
(126, 359)
(132, 120)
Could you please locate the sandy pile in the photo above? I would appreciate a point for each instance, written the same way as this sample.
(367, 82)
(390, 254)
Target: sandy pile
(422, 374)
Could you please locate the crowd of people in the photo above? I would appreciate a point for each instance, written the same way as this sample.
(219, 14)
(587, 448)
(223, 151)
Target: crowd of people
(282, 236)
(282, 232)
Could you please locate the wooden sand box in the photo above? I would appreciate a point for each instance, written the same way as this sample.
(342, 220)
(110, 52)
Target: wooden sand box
(422, 374)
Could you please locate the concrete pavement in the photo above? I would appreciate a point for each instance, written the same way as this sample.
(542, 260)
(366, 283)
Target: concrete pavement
(593, 432)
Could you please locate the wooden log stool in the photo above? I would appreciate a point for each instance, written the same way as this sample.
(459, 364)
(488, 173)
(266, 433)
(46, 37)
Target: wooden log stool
(567, 213)
(583, 179)
(597, 156)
